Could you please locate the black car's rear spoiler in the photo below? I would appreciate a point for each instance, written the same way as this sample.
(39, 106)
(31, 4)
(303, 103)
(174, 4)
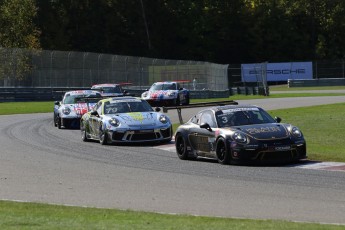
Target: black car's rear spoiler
(195, 105)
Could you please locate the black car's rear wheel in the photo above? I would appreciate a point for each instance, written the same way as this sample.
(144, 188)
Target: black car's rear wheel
(181, 147)
(222, 151)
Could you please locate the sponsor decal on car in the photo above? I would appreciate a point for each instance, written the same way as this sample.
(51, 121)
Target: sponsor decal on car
(263, 130)
(136, 116)
(239, 109)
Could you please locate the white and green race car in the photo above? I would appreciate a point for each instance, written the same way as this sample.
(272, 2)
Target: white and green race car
(125, 120)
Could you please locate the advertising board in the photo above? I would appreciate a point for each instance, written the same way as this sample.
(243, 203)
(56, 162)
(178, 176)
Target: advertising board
(276, 71)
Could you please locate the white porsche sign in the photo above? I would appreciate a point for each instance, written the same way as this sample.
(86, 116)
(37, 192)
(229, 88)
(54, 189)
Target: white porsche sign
(276, 71)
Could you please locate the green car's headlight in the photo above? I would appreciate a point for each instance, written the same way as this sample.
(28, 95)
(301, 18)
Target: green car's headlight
(239, 137)
(114, 122)
(66, 110)
(164, 119)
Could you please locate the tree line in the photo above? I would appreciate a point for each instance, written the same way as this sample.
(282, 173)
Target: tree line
(220, 31)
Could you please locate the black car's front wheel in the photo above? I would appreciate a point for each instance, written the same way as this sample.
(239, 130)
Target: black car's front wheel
(181, 147)
(222, 151)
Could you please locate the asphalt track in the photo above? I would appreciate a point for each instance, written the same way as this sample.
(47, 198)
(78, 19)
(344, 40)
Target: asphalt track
(41, 163)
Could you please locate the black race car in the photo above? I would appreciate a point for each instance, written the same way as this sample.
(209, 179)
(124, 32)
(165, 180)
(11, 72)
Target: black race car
(235, 134)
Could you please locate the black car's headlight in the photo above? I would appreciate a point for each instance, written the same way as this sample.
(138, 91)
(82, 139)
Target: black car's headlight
(239, 137)
(66, 110)
(114, 122)
(164, 119)
(296, 132)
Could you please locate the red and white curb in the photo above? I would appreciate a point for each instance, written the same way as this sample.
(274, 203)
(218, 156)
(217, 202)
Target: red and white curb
(329, 166)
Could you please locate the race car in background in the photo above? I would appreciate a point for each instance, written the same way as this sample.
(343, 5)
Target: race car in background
(234, 134)
(125, 120)
(167, 93)
(74, 104)
(111, 90)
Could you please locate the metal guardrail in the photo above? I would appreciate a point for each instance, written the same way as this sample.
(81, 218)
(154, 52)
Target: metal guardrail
(316, 82)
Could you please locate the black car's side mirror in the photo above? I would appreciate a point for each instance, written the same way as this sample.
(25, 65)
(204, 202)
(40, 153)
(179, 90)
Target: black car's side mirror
(157, 109)
(206, 126)
(278, 119)
(180, 89)
(57, 103)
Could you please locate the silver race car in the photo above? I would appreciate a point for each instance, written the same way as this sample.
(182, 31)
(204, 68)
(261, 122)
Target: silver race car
(125, 120)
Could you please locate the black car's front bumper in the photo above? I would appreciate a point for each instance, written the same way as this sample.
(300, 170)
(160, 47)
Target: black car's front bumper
(269, 152)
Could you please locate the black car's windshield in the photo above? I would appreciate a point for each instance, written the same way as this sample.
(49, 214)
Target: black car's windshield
(165, 86)
(242, 116)
(127, 107)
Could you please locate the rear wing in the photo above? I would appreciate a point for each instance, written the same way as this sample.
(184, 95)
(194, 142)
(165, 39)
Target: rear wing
(195, 105)
(87, 100)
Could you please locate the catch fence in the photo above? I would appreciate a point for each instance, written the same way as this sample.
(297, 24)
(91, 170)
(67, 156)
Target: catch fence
(47, 68)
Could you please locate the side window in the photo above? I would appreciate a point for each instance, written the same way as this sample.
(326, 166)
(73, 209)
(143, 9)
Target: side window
(96, 107)
(196, 119)
(208, 117)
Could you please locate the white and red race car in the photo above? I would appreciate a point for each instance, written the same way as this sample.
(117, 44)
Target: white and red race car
(166, 93)
(67, 113)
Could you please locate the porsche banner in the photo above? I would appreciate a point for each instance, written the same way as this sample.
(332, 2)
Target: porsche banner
(276, 71)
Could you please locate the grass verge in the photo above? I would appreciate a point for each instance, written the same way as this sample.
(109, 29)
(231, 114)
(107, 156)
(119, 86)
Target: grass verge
(17, 215)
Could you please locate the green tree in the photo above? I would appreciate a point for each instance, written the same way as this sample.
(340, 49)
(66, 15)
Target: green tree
(17, 30)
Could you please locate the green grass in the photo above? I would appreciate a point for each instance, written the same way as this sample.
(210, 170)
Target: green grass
(7, 108)
(323, 128)
(17, 215)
